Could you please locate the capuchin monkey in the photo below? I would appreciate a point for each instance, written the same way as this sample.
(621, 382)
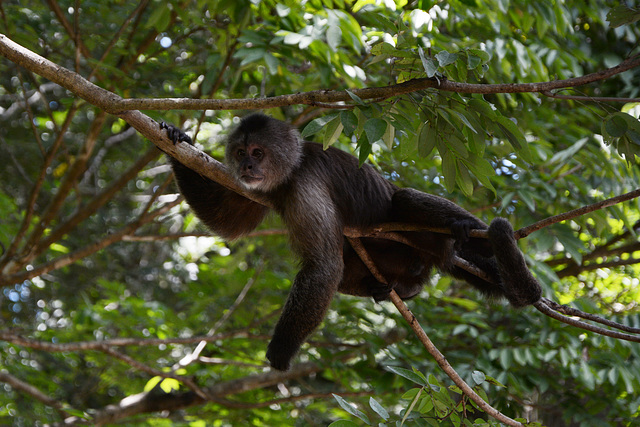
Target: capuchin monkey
(318, 193)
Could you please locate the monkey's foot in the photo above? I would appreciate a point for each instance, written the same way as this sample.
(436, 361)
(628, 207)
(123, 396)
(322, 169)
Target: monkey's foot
(379, 291)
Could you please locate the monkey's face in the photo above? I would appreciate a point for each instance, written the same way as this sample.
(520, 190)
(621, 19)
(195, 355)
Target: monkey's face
(250, 167)
(263, 152)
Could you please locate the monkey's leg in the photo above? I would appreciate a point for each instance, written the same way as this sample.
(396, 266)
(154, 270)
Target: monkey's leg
(403, 267)
(515, 280)
(492, 286)
(416, 207)
(520, 287)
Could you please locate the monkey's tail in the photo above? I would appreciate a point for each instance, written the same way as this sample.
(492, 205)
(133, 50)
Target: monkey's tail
(520, 287)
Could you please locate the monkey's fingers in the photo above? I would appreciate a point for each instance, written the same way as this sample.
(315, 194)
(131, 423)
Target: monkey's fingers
(176, 134)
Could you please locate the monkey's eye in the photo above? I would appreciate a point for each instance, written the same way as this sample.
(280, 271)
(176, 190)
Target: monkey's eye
(257, 153)
(241, 153)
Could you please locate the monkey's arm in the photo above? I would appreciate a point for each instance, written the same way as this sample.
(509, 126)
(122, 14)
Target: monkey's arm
(225, 212)
(316, 235)
(308, 302)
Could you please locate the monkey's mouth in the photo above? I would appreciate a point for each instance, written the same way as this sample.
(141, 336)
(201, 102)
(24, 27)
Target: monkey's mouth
(251, 181)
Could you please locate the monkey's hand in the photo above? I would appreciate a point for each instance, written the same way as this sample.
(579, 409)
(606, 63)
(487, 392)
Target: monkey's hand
(280, 352)
(175, 134)
(461, 229)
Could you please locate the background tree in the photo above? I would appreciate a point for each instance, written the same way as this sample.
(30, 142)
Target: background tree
(98, 247)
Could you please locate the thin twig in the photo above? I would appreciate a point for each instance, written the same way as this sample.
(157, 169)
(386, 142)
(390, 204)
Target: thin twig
(154, 372)
(571, 311)
(190, 358)
(525, 231)
(589, 98)
(27, 388)
(91, 248)
(545, 309)
(14, 338)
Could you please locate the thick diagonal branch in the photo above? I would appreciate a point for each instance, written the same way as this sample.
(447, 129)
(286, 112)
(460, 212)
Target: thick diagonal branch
(424, 339)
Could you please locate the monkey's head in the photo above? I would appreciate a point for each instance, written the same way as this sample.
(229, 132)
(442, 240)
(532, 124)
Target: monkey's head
(263, 152)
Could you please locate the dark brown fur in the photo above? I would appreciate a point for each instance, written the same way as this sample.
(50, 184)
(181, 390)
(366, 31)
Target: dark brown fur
(318, 193)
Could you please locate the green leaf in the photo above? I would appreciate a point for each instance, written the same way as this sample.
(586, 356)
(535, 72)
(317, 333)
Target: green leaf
(481, 55)
(515, 137)
(411, 393)
(478, 377)
(378, 409)
(426, 140)
(511, 131)
(426, 5)
(375, 129)
(429, 64)
(383, 48)
(334, 37)
(272, 63)
(527, 198)
(493, 381)
(445, 58)
(355, 97)
(169, 384)
(473, 62)
(413, 376)
(350, 409)
(411, 406)
(332, 132)
(152, 383)
(316, 125)
(562, 156)
(160, 18)
(482, 107)
(250, 55)
(389, 136)
(59, 248)
(349, 122)
(76, 412)
(463, 179)
(449, 170)
(364, 149)
(616, 124)
(623, 14)
(461, 117)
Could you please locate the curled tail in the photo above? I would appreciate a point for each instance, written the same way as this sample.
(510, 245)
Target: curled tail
(520, 287)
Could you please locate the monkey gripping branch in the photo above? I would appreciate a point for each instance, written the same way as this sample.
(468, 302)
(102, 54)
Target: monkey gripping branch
(289, 184)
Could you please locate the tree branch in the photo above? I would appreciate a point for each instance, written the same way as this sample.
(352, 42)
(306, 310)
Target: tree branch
(114, 104)
(525, 231)
(27, 388)
(544, 306)
(91, 248)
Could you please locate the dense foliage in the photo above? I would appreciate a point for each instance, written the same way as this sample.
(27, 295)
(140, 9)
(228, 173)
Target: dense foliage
(88, 204)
